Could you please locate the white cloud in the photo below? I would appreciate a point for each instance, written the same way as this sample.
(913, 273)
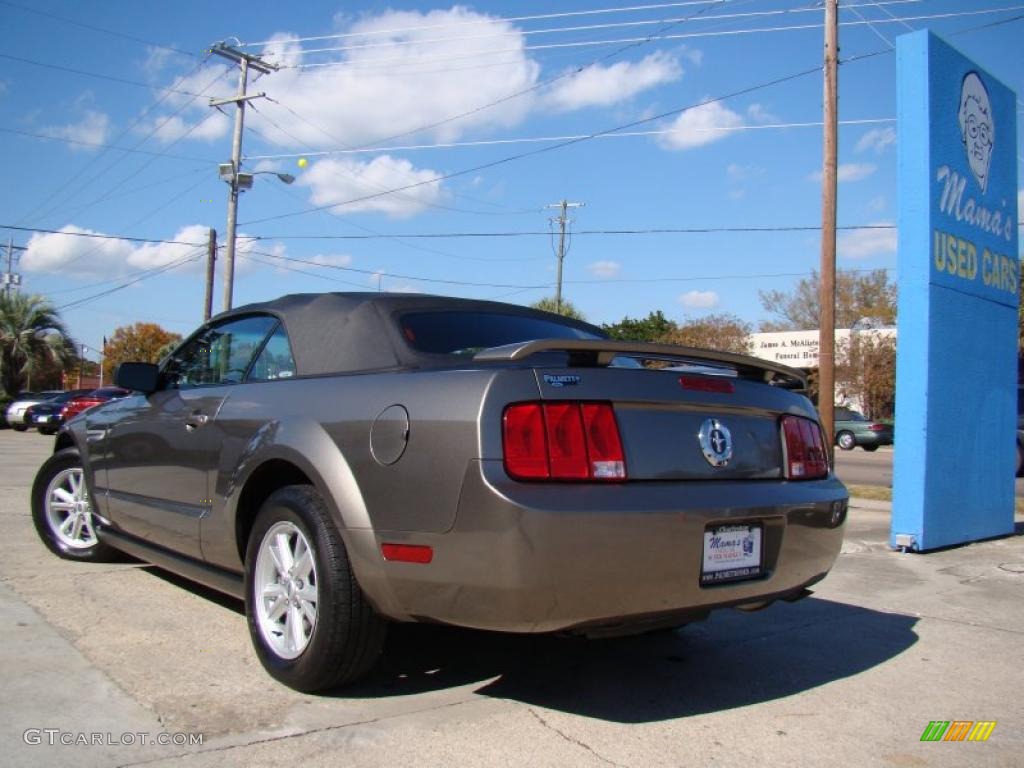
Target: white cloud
(389, 84)
(332, 260)
(848, 172)
(878, 204)
(604, 86)
(103, 257)
(758, 114)
(700, 125)
(699, 299)
(333, 181)
(604, 269)
(156, 60)
(208, 127)
(877, 139)
(864, 243)
(1020, 205)
(693, 55)
(93, 128)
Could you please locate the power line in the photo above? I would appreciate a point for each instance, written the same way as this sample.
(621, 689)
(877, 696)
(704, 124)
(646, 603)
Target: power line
(547, 233)
(153, 273)
(100, 145)
(639, 40)
(483, 21)
(542, 139)
(542, 150)
(324, 131)
(719, 17)
(440, 281)
(68, 182)
(535, 86)
(554, 30)
(112, 78)
(98, 236)
(99, 29)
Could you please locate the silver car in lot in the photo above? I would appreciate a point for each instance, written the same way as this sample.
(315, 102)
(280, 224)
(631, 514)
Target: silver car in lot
(15, 413)
(342, 461)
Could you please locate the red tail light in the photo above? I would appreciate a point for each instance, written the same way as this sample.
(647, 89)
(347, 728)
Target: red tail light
(563, 441)
(806, 457)
(877, 427)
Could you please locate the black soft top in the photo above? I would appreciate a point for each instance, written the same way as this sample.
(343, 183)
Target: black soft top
(351, 332)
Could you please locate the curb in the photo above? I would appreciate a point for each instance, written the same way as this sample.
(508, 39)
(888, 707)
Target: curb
(877, 506)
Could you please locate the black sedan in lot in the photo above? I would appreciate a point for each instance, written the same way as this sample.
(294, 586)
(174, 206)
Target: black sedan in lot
(46, 416)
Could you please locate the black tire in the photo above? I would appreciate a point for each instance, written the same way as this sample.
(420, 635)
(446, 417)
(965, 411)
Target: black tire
(19, 427)
(347, 636)
(870, 448)
(80, 543)
(846, 441)
(46, 431)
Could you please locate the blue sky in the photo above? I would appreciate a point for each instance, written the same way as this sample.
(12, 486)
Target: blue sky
(390, 81)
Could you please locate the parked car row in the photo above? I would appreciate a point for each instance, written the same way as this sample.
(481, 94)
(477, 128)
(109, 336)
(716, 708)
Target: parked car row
(47, 411)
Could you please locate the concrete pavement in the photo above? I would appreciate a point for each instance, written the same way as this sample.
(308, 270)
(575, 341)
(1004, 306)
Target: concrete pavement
(850, 676)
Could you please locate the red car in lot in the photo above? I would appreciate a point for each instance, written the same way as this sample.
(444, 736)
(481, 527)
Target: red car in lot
(74, 407)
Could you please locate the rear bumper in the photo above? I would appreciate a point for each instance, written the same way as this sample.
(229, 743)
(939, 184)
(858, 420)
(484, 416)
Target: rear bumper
(874, 438)
(538, 557)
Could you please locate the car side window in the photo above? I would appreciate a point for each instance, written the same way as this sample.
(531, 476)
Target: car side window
(275, 361)
(219, 355)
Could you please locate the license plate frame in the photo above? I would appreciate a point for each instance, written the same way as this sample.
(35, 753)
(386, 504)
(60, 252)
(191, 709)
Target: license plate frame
(732, 552)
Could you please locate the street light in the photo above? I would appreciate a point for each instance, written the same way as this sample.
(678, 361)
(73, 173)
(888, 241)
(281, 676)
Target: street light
(239, 181)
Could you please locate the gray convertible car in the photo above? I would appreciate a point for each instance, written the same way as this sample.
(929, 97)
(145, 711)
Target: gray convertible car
(342, 461)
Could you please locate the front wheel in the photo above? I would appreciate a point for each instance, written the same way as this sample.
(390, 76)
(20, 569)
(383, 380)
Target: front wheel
(62, 511)
(310, 623)
(846, 441)
(19, 427)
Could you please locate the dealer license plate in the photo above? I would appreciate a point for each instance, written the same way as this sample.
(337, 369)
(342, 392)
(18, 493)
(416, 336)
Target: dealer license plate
(731, 553)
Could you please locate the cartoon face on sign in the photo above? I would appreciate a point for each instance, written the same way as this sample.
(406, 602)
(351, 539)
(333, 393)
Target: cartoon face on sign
(977, 130)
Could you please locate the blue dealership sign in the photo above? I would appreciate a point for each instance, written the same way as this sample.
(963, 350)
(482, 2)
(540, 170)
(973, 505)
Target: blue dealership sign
(956, 383)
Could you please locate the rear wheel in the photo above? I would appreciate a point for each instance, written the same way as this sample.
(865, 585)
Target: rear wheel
(19, 427)
(310, 623)
(846, 441)
(870, 448)
(62, 511)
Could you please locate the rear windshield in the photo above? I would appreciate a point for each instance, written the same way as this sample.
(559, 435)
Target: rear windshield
(465, 333)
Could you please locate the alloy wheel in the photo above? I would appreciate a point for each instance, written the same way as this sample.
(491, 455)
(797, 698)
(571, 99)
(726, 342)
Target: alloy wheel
(285, 590)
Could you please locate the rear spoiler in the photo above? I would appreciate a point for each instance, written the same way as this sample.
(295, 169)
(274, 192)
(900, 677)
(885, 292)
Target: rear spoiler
(599, 352)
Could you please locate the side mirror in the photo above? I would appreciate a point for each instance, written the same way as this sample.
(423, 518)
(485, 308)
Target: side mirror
(140, 377)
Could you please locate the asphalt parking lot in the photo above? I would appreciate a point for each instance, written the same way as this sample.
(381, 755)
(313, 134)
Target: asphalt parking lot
(126, 655)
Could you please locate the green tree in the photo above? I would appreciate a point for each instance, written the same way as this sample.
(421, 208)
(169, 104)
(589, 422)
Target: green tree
(654, 327)
(32, 335)
(722, 331)
(548, 304)
(141, 342)
(858, 295)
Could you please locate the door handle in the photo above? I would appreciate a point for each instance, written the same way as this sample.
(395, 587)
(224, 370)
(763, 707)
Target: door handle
(195, 420)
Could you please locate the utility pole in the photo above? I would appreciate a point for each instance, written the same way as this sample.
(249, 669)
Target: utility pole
(211, 259)
(11, 279)
(232, 175)
(827, 297)
(562, 219)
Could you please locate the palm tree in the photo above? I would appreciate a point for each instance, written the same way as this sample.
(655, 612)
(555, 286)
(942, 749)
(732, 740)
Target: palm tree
(31, 333)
